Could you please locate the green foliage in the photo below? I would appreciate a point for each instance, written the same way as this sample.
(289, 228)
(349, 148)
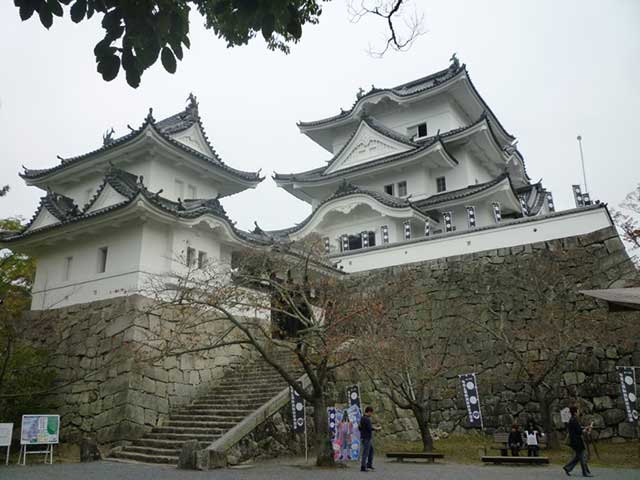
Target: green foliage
(23, 368)
(138, 32)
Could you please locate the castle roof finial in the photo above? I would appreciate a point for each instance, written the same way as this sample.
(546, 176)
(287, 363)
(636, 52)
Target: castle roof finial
(150, 118)
(455, 63)
(193, 101)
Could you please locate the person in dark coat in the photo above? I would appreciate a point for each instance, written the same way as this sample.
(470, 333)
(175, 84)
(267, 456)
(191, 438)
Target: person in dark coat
(366, 439)
(577, 445)
(514, 442)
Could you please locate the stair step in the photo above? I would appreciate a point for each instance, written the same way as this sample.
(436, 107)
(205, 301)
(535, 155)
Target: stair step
(183, 424)
(163, 443)
(162, 452)
(143, 457)
(193, 430)
(212, 416)
(203, 437)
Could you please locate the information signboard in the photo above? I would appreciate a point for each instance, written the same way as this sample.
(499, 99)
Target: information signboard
(40, 430)
(6, 431)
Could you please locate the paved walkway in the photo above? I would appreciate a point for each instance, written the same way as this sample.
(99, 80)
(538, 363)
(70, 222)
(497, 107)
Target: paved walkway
(273, 471)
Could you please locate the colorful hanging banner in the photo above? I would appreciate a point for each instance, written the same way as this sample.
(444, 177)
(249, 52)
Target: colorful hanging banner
(628, 386)
(471, 398)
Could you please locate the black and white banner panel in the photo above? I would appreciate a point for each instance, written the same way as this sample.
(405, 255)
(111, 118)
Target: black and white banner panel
(471, 398)
(629, 389)
(297, 411)
(353, 394)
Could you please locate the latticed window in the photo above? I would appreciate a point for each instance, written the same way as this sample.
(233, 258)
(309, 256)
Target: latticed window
(441, 184)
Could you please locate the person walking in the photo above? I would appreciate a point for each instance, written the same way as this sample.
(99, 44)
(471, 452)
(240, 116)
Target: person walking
(366, 437)
(577, 444)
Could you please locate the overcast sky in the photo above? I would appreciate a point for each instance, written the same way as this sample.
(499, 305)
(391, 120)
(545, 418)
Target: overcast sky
(549, 70)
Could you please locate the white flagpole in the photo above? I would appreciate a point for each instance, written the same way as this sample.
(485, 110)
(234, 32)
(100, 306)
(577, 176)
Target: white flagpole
(475, 380)
(306, 441)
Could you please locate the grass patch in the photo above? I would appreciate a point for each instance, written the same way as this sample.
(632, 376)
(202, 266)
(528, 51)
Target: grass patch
(468, 448)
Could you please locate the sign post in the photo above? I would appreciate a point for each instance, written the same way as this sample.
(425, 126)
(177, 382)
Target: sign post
(39, 430)
(6, 432)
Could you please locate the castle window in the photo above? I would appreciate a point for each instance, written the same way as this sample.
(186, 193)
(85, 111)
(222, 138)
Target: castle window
(388, 189)
(102, 259)
(402, 189)
(418, 131)
(441, 184)
(202, 259)
(191, 256)
(68, 262)
(355, 241)
(192, 191)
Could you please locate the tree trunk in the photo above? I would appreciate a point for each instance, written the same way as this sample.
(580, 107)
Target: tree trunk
(422, 417)
(546, 419)
(324, 449)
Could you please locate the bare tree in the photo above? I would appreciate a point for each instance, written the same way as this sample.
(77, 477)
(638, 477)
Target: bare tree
(407, 356)
(276, 301)
(628, 218)
(534, 314)
(403, 28)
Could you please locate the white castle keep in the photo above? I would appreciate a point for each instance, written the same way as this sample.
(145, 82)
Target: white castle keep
(419, 171)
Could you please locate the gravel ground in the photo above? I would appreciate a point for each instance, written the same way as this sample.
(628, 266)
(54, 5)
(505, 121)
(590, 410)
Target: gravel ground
(290, 470)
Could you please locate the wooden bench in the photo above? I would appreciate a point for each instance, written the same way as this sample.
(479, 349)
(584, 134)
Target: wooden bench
(500, 440)
(499, 459)
(400, 456)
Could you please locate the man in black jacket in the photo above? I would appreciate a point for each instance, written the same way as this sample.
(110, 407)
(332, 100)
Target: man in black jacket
(366, 437)
(577, 444)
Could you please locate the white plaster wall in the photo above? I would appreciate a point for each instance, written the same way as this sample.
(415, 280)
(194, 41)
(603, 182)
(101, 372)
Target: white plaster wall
(542, 229)
(137, 252)
(359, 220)
(85, 284)
(416, 177)
(164, 175)
(439, 113)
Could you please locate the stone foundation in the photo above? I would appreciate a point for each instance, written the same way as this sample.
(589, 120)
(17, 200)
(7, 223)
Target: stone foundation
(593, 261)
(110, 385)
(116, 398)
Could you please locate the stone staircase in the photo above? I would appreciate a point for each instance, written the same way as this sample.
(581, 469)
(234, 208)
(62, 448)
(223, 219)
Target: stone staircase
(238, 394)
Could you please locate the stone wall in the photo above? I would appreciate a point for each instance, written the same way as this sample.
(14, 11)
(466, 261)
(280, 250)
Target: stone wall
(596, 260)
(114, 382)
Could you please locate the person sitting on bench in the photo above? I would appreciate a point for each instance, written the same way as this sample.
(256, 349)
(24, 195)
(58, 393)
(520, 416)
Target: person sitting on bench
(532, 443)
(514, 442)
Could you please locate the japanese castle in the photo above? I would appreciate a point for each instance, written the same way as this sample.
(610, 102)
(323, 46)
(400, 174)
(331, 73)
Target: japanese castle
(415, 172)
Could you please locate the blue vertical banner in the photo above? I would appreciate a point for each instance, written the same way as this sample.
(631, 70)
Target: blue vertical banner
(629, 389)
(353, 394)
(471, 399)
(297, 411)
(331, 415)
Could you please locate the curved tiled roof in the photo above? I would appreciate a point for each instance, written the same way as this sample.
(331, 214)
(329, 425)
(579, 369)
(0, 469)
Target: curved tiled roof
(131, 187)
(164, 128)
(422, 144)
(412, 88)
(347, 189)
(462, 192)
(403, 90)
